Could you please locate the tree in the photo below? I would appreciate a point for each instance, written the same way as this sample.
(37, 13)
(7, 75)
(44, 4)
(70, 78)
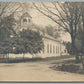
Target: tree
(80, 41)
(6, 30)
(34, 39)
(49, 30)
(66, 15)
(6, 47)
(29, 42)
(80, 33)
(52, 31)
(18, 46)
(80, 45)
(9, 8)
(7, 22)
(82, 16)
(6, 27)
(7, 19)
(8, 12)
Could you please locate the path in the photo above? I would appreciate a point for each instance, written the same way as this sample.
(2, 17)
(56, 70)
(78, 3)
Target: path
(35, 72)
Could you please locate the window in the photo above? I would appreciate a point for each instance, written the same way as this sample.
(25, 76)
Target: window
(24, 20)
(50, 48)
(29, 20)
(53, 49)
(47, 48)
(56, 49)
(43, 50)
(65, 51)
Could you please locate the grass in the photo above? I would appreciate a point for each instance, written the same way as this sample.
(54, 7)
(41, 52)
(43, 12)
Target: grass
(69, 66)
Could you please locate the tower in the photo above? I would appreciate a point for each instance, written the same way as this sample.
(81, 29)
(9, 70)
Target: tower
(25, 21)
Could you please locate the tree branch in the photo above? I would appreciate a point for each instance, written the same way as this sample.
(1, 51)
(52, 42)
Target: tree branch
(50, 17)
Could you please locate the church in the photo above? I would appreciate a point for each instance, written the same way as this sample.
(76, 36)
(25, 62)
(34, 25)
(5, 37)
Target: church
(52, 47)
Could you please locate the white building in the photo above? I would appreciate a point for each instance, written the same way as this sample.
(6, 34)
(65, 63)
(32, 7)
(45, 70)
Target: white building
(52, 47)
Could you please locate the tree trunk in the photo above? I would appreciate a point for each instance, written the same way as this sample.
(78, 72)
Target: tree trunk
(2, 58)
(32, 56)
(23, 56)
(77, 58)
(82, 61)
(83, 25)
(8, 57)
(74, 49)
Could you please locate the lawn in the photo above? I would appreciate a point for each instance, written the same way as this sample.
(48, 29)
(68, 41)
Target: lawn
(69, 66)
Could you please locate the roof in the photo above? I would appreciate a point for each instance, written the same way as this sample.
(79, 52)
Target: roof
(46, 35)
(26, 14)
(50, 37)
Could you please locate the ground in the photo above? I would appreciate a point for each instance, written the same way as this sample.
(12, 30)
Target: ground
(36, 71)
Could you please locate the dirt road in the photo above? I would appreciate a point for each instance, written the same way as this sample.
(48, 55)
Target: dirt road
(39, 71)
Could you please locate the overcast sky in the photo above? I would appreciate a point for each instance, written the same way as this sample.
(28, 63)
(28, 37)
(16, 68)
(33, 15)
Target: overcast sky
(39, 19)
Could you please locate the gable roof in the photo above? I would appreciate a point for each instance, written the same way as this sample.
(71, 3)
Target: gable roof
(50, 37)
(26, 14)
(44, 35)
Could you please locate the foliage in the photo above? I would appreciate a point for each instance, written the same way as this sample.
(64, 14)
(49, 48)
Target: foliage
(52, 31)
(6, 27)
(5, 47)
(29, 42)
(49, 30)
(71, 50)
(66, 15)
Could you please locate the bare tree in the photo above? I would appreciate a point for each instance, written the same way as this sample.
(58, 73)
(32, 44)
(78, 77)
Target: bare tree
(7, 11)
(7, 8)
(82, 15)
(65, 14)
(13, 9)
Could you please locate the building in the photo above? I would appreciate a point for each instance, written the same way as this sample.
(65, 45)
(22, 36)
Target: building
(52, 47)
(25, 21)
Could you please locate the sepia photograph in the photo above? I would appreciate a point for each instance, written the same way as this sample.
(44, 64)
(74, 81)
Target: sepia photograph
(41, 41)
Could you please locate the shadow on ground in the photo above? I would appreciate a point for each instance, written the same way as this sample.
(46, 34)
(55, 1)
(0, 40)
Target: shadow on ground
(20, 59)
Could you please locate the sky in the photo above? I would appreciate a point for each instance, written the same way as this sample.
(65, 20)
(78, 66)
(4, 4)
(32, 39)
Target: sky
(39, 19)
(43, 21)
